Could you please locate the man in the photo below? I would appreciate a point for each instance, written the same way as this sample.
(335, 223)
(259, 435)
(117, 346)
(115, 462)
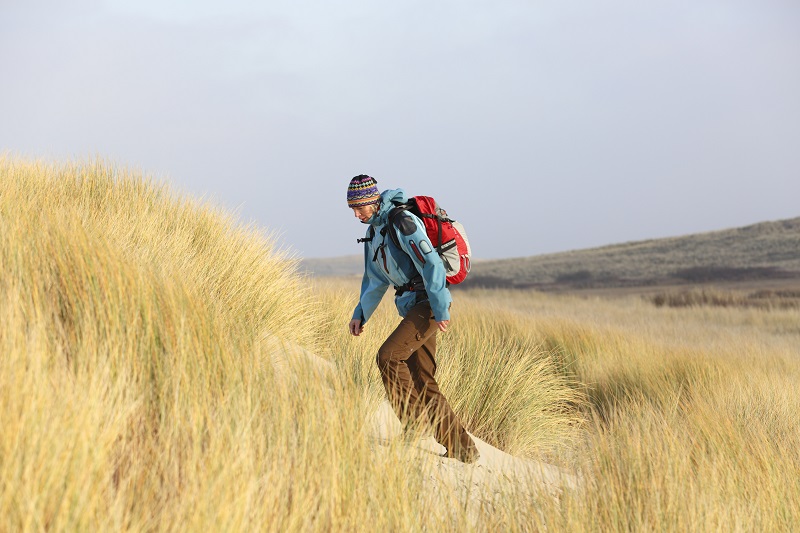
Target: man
(406, 359)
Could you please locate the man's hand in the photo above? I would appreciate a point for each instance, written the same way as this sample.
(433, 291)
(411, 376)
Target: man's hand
(356, 328)
(443, 325)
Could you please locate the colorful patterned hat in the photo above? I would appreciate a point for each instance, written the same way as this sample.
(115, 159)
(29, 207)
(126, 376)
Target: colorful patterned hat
(363, 190)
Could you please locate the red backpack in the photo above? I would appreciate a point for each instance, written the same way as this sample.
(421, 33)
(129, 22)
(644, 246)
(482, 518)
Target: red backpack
(445, 234)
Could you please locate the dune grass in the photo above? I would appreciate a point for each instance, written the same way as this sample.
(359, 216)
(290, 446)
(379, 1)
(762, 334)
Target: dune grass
(137, 387)
(138, 391)
(692, 411)
(134, 330)
(507, 389)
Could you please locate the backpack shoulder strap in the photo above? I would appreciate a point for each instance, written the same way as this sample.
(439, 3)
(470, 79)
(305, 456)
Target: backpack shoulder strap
(397, 221)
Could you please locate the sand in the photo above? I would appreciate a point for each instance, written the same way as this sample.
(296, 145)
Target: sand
(473, 486)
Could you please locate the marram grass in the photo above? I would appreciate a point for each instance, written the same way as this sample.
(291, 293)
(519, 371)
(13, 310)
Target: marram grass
(137, 390)
(693, 413)
(134, 323)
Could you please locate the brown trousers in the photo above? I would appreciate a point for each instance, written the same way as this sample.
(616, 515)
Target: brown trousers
(407, 364)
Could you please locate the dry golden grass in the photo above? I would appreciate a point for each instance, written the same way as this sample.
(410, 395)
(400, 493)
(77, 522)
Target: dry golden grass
(508, 390)
(136, 387)
(134, 325)
(693, 411)
(137, 391)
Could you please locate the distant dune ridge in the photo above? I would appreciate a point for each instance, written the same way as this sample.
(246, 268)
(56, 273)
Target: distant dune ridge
(763, 251)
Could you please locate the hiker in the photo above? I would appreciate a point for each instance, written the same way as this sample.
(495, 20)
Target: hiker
(406, 359)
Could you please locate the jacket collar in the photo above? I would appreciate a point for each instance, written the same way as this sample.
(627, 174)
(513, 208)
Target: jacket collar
(388, 200)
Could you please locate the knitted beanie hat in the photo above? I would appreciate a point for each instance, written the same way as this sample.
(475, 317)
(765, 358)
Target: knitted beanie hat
(363, 190)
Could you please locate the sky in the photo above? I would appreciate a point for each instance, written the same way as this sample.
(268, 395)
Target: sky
(542, 126)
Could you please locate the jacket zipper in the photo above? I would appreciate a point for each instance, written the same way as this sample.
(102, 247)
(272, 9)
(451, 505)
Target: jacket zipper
(383, 256)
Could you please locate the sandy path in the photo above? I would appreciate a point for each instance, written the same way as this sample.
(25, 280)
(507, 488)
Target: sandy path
(473, 486)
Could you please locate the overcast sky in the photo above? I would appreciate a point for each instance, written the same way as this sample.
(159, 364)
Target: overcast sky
(542, 125)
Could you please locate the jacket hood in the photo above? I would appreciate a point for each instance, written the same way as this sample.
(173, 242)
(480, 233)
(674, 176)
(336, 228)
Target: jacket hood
(388, 200)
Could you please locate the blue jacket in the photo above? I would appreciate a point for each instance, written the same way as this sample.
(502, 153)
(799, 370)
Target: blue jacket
(394, 267)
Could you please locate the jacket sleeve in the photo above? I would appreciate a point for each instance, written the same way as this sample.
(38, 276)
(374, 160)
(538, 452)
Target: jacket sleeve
(372, 290)
(415, 242)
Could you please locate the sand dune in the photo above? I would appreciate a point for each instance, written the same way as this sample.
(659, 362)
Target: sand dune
(474, 486)
(494, 472)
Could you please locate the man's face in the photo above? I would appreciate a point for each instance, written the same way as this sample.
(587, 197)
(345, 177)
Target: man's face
(364, 213)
